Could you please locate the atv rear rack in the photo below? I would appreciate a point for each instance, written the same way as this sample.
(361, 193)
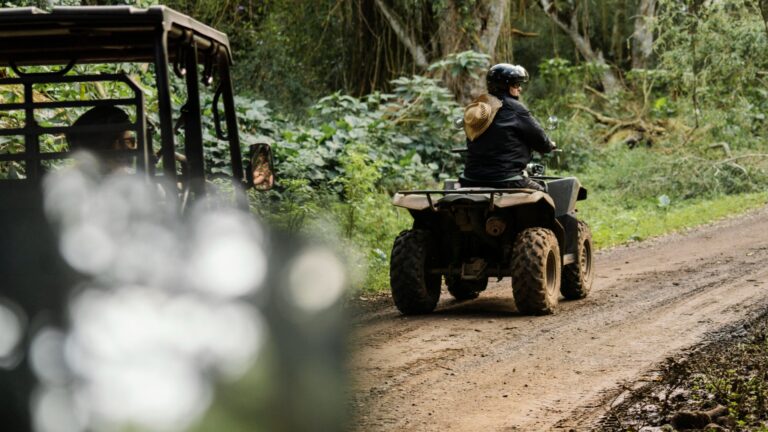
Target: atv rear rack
(468, 191)
(464, 191)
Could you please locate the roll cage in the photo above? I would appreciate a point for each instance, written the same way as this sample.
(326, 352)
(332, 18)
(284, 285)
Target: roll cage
(169, 41)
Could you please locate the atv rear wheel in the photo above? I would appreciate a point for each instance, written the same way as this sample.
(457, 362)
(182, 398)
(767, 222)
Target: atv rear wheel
(578, 276)
(536, 271)
(465, 289)
(414, 289)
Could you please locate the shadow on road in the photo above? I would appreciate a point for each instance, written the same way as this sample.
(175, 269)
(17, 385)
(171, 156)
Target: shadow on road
(479, 308)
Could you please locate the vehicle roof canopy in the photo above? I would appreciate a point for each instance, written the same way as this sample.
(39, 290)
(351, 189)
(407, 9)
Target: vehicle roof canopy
(100, 34)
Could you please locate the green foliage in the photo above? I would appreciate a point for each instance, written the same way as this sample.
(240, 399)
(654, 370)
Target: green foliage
(560, 80)
(469, 63)
(407, 134)
(716, 53)
(615, 221)
(641, 174)
(464, 8)
(290, 205)
(366, 219)
(295, 43)
(344, 160)
(358, 180)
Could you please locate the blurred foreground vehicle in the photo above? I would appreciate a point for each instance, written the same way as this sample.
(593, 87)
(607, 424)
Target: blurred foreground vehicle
(39, 106)
(123, 291)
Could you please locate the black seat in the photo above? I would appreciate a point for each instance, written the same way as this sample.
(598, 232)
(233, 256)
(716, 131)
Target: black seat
(496, 184)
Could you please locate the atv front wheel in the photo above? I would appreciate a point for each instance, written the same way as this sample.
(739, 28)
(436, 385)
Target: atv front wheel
(465, 289)
(536, 271)
(414, 289)
(578, 276)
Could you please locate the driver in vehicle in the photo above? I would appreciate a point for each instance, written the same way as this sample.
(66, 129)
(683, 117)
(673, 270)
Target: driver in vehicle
(100, 141)
(263, 177)
(502, 133)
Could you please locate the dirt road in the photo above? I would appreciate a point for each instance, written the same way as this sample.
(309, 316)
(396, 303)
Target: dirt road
(479, 365)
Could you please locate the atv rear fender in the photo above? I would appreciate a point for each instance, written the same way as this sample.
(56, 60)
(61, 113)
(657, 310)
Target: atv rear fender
(496, 198)
(565, 192)
(531, 208)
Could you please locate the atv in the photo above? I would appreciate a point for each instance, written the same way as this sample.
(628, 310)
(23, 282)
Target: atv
(468, 235)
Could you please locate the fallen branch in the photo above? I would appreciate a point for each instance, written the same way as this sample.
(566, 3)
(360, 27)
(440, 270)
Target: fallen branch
(724, 145)
(596, 92)
(517, 32)
(401, 114)
(638, 123)
(601, 118)
(744, 156)
(403, 34)
(731, 164)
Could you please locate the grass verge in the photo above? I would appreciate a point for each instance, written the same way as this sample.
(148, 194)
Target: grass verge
(616, 222)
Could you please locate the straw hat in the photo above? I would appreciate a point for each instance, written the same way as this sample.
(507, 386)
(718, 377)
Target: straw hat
(479, 115)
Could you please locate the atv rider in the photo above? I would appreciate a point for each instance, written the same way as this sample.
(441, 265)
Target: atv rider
(502, 133)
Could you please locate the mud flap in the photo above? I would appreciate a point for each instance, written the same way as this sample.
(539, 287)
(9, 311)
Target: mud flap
(564, 193)
(571, 233)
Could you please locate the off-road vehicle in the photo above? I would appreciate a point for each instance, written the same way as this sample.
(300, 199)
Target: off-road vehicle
(468, 235)
(48, 61)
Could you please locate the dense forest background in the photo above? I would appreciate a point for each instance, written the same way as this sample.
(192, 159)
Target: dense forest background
(662, 104)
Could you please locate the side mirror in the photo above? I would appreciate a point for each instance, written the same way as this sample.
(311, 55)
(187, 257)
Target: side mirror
(535, 169)
(261, 168)
(553, 122)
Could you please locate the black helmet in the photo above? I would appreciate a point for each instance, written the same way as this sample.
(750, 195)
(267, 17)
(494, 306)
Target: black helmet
(503, 75)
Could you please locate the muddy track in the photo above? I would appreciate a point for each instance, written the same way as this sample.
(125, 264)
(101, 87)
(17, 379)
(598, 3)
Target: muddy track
(479, 365)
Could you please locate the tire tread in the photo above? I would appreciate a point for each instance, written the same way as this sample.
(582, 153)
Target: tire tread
(576, 285)
(413, 290)
(529, 258)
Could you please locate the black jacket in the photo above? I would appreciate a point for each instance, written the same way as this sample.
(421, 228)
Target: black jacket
(504, 149)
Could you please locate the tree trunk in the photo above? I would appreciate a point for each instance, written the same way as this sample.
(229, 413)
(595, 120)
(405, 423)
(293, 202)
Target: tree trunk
(449, 39)
(404, 35)
(642, 38)
(488, 20)
(617, 36)
(569, 23)
(491, 17)
(484, 27)
(764, 13)
(456, 32)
